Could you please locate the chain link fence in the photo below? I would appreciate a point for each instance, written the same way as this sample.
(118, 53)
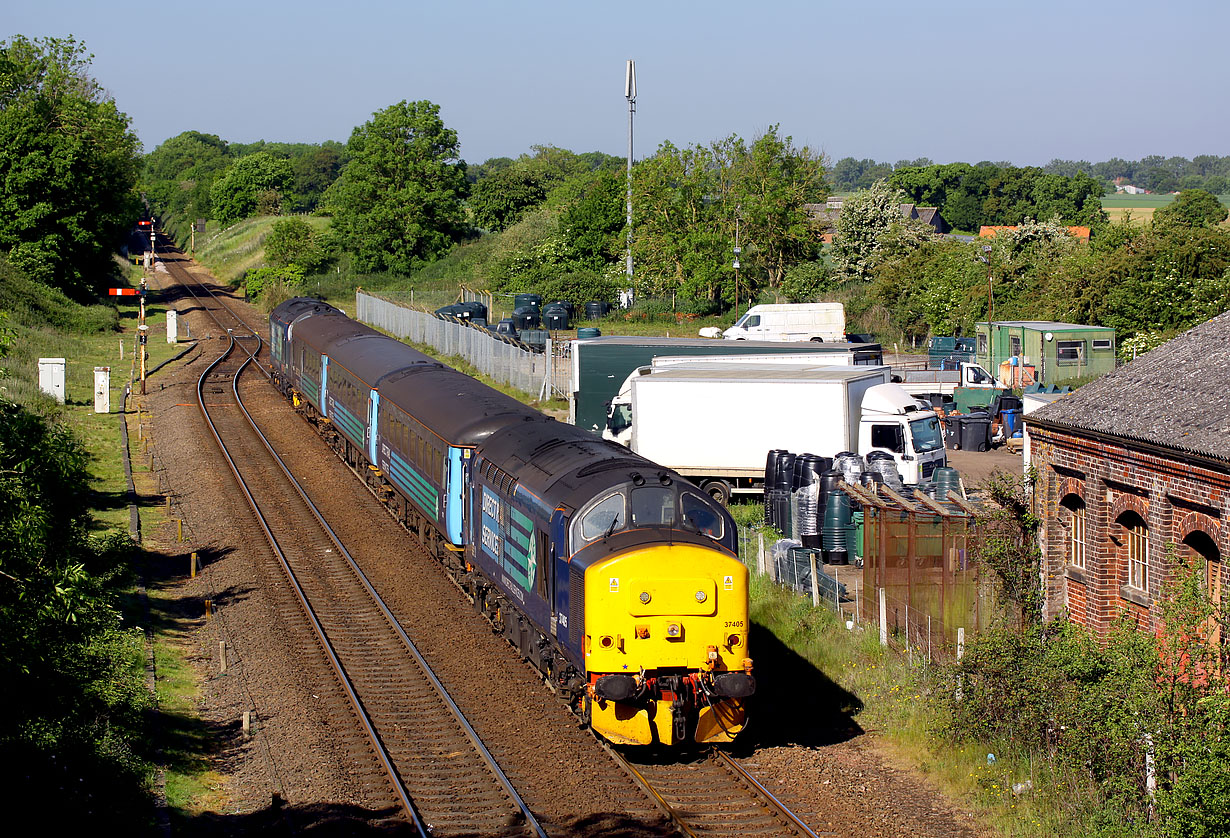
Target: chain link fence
(543, 375)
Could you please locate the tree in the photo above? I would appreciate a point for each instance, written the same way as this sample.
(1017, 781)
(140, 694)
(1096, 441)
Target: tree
(254, 185)
(500, 199)
(1193, 208)
(397, 203)
(292, 241)
(594, 225)
(771, 182)
(862, 228)
(70, 713)
(68, 165)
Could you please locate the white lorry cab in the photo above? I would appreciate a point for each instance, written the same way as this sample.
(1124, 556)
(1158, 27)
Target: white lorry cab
(791, 322)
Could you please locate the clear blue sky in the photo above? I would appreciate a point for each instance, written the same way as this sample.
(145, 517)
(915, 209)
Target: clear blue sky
(957, 80)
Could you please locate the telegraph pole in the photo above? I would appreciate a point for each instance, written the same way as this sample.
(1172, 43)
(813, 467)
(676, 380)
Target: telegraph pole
(630, 95)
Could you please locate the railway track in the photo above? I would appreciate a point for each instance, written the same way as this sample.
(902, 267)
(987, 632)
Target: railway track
(711, 794)
(439, 772)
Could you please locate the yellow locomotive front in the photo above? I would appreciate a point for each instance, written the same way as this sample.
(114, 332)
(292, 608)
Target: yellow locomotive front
(666, 645)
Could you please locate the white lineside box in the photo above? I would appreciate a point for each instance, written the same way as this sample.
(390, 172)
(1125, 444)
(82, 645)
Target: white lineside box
(172, 326)
(102, 389)
(51, 377)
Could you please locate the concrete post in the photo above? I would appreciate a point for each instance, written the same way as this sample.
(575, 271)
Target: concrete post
(102, 389)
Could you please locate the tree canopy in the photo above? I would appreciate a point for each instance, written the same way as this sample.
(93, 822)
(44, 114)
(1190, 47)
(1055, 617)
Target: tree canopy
(68, 165)
(254, 185)
(398, 203)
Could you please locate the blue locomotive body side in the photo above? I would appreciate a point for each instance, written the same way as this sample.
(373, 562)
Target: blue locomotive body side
(512, 544)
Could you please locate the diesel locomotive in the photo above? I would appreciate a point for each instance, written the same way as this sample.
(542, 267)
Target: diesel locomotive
(616, 578)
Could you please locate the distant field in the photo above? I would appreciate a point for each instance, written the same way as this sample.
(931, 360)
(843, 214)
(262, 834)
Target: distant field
(1140, 206)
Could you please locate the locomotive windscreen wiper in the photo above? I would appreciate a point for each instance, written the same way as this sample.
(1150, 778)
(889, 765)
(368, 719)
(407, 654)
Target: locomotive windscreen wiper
(611, 528)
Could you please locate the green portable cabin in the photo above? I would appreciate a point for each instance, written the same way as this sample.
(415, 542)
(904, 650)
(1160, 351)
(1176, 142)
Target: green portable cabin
(1046, 352)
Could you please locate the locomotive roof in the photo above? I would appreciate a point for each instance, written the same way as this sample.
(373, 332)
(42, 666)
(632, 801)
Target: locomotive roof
(287, 311)
(460, 409)
(563, 464)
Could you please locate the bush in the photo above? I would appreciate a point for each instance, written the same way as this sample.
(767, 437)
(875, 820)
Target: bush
(257, 280)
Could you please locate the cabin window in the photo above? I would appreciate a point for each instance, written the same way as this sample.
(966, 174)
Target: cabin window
(888, 437)
(982, 344)
(1069, 352)
(1099, 345)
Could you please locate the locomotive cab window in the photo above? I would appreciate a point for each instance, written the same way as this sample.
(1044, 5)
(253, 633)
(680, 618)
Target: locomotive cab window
(653, 506)
(699, 514)
(604, 517)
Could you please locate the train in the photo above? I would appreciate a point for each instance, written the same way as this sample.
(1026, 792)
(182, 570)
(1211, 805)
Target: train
(616, 578)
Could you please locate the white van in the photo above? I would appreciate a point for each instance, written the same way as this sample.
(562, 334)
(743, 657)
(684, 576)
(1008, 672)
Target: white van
(791, 322)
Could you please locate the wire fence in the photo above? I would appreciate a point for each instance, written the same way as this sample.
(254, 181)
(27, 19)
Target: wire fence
(541, 374)
(912, 578)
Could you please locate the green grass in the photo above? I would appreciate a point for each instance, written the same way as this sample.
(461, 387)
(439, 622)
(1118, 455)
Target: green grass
(92, 344)
(229, 253)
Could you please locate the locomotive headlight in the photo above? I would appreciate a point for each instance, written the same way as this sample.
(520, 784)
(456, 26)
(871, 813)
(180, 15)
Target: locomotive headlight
(674, 631)
(645, 597)
(732, 641)
(700, 596)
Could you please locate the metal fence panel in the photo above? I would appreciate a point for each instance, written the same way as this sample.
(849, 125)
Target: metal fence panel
(534, 373)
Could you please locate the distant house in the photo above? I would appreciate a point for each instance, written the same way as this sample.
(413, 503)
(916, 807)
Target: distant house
(1130, 469)
(825, 215)
(989, 231)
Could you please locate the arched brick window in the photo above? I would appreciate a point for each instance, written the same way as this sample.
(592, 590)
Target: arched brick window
(1134, 536)
(1201, 545)
(1074, 518)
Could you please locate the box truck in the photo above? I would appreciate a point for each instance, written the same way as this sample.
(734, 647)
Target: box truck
(716, 424)
(600, 365)
(791, 322)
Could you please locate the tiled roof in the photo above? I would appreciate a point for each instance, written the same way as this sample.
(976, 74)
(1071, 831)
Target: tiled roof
(1175, 396)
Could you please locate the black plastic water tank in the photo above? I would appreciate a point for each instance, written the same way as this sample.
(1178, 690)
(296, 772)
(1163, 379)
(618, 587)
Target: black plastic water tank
(597, 309)
(530, 300)
(526, 317)
(555, 317)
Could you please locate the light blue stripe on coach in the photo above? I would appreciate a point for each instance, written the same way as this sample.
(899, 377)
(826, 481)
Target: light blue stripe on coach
(373, 407)
(454, 495)
(324, 386)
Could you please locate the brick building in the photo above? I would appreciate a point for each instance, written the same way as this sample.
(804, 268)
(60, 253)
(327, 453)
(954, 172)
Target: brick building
(1132, 466)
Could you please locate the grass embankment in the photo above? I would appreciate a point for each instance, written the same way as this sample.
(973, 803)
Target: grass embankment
(49, 325)
(229, 253)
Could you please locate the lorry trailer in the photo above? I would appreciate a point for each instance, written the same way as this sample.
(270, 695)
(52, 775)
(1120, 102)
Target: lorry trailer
(715, 425)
